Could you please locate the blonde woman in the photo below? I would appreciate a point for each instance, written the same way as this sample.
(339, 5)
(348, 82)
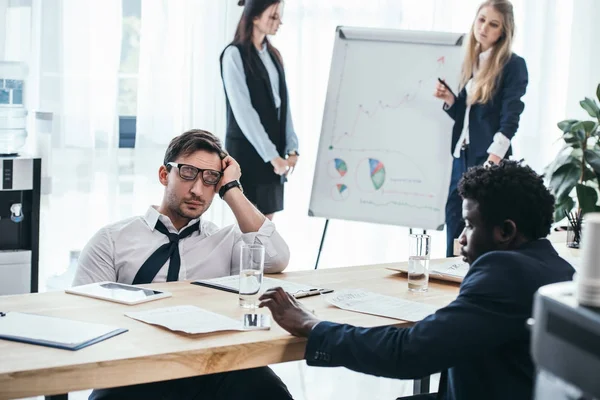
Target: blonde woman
(487, 109)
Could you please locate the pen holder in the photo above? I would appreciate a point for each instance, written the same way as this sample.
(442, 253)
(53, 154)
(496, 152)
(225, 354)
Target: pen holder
(573, 238)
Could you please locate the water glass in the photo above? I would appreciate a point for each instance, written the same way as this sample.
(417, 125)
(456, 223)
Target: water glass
(418, 262)
(252, 264)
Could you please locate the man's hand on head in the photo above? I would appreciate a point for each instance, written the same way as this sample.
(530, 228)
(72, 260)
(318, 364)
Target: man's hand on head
(231, 171)
(288, 312)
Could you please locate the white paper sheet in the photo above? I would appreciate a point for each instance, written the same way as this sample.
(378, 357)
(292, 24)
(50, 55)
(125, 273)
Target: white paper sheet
(189, 319)
(51, 329)
(233, 282)
(454, 267)
(362, 301)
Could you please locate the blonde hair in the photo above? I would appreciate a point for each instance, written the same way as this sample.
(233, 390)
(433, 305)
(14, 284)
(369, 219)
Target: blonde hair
(484, 85)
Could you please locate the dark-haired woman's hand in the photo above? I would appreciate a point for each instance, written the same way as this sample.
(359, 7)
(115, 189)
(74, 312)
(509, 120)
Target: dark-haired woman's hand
(280, 166)
(292, 161)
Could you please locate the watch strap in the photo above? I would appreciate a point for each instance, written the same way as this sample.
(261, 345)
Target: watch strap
(228, 186)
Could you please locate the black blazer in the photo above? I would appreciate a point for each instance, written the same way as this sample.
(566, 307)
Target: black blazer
(500, 114)
(479, 342)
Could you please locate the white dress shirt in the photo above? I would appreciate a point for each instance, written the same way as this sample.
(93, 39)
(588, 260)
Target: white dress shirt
(234, 80)
(501, 143)
(116, 252)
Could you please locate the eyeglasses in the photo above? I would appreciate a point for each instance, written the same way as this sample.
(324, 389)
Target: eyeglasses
(190, 173)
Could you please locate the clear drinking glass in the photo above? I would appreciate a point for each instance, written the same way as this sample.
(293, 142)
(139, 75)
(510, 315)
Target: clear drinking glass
(252, 264)
(418, 262)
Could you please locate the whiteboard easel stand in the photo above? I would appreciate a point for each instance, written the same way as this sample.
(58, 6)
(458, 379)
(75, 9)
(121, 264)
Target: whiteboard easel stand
(322, 241)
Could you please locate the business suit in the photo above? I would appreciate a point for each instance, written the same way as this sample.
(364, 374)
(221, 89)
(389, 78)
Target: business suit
(479, 342)
(500, 114)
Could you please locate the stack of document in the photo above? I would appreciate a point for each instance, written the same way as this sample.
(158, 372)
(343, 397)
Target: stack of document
(452, 269)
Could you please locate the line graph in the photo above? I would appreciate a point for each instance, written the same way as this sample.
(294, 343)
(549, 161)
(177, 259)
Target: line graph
(365, 112)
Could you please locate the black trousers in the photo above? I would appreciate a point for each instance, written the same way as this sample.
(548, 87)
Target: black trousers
(454, 221)
(248, 384)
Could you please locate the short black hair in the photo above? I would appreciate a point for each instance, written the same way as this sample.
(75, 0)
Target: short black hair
(512, 191)
(192, 141)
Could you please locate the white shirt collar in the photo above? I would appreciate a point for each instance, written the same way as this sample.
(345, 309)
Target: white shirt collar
(484, 55)
(152, 215)
(263, 49)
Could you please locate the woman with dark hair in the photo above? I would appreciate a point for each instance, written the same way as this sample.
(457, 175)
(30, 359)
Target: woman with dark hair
(260, 134)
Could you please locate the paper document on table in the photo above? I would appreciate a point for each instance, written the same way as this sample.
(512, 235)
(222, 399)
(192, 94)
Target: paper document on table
(451, 269)
(362, 301)
(454, 268)
(193, 320)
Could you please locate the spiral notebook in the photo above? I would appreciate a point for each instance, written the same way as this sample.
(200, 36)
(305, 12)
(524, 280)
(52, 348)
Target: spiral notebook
(54, 332)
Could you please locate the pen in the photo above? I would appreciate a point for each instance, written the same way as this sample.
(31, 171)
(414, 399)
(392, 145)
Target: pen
(446, 86)
(311, 292)
(306, 293)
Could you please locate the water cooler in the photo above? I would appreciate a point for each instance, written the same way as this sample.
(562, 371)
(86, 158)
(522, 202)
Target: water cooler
(19, 224)
(565, 345)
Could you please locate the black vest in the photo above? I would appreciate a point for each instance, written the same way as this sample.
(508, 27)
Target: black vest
(254, 169)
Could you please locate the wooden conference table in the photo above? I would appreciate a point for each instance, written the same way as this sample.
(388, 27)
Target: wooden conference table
(148, 353)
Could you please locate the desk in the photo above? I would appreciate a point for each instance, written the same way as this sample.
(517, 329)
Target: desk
(149, 353)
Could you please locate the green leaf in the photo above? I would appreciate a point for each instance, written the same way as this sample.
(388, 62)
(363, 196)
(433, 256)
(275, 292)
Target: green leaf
(598, 92)
(566, 125)
(587, 197)
(591, 107)
(589, 126)
(572, 140)
(589, 175)
(562, 206)
(592, 157)
(564, 179)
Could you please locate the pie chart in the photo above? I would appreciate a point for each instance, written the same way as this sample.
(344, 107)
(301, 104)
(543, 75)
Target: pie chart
(337, 168)
(377, 173)
(340, 192)
(370, 175)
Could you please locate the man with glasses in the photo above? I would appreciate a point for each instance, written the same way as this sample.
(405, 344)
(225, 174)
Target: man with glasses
(172, 242)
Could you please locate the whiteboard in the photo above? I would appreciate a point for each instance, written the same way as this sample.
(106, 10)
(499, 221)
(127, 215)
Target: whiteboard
(384, 150)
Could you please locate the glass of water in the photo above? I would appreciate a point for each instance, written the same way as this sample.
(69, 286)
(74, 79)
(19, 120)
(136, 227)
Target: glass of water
(418, 262)
(252, 264)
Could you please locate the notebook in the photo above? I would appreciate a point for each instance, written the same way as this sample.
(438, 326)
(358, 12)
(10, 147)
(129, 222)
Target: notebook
(232, 284)
(53, 332)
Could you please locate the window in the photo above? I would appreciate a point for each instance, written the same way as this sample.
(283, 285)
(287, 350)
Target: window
(128, 72)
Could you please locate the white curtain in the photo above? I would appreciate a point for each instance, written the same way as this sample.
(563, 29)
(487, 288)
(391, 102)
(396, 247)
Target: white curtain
(79, 65)
(179, 84)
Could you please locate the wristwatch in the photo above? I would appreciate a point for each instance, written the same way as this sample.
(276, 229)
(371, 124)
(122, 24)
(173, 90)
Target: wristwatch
(293, 153)
(228, 186)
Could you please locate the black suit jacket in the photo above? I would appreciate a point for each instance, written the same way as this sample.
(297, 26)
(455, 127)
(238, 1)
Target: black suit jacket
(500, 114)
(479, 342)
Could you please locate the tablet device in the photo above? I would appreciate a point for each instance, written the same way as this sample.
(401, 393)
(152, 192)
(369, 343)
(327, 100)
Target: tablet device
(118, 292)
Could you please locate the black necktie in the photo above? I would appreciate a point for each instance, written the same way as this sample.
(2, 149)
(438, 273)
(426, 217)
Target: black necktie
(165, 252)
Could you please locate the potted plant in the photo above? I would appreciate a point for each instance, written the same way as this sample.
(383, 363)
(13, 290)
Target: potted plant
(576, 170)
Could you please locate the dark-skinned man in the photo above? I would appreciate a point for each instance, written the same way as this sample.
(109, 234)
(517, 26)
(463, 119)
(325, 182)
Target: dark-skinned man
(479, 342)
